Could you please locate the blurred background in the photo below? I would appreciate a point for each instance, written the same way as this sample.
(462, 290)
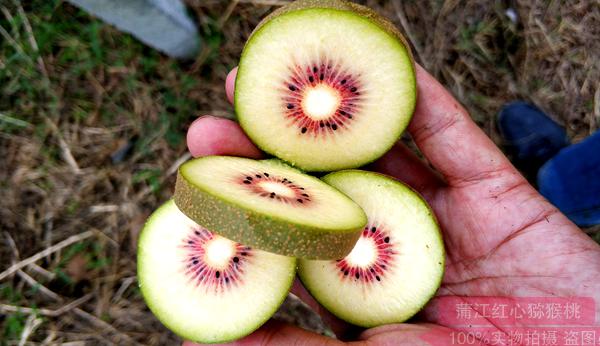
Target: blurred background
(93, 123)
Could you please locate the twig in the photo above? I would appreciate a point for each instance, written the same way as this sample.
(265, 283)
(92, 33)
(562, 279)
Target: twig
(124, 286)
(406, 28)
(43, 272)
(223, 19)
(41, 288)
(31, 38)
(46, 252)
(46, 312)
(178, 163)
(99, 323)
(31, 325)
(64, 147)
(12, 42)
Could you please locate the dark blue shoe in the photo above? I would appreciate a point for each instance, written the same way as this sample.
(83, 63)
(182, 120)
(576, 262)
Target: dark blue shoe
(531, 137)
(571, 181)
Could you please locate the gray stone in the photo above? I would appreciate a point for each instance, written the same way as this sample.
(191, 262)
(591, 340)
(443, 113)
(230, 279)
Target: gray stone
(162, 24)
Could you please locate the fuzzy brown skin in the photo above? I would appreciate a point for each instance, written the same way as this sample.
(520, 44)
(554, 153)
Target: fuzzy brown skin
(261, 231)
(341, 5)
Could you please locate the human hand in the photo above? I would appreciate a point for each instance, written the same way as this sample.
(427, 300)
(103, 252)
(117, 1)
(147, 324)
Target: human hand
(502, 238)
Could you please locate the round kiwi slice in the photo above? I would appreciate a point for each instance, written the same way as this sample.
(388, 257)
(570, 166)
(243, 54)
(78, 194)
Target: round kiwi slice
(325, 85)
(396, 265)
(204, 287)
(270, 206)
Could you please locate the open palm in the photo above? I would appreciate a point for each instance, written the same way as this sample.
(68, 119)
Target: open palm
(502, 237)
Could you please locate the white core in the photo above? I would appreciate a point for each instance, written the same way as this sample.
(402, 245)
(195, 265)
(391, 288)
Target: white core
(321, 102)
(363, 254)
(278, 188)
(219, 251)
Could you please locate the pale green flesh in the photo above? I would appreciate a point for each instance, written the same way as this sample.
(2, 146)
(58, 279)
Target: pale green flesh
(357, 46)
(193, 312)
(223, 177)
(418, 266)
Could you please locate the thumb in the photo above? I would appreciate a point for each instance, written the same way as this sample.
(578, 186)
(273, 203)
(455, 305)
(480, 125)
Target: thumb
(275, 333)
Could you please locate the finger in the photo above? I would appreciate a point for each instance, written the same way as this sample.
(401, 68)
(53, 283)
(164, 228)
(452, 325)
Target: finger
(210, 135)
(425, 334)
(449, 139)
(230, 83)
(401, 163)
(275, 333)
(343, 330)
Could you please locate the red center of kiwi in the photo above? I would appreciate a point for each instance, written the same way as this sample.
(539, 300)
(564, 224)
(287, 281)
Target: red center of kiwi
(374, 270)
(303, 80)
(274, 187)
(210, 276)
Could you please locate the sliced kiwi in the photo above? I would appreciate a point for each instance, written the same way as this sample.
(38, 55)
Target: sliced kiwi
(396, 265)
(270, 206)
(204, 287)
(325, 85)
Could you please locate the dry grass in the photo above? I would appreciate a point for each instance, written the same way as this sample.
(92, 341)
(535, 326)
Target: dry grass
(74, 93)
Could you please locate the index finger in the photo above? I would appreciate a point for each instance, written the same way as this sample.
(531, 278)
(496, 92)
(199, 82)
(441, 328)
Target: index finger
(449, 139)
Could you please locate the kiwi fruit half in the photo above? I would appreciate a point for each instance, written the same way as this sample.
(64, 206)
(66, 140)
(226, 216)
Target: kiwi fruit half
(270, 206)
(396, 265)
(204, 287)
(325, 85)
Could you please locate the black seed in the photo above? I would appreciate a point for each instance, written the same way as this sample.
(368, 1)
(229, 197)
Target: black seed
(311, 79)
(346, 273)
(322, 124)
(341, 269)
(321, 76)
(305, 195)
(315, 69)
(372, 270)
(290, 106)
(357, 275)
(258, 176)
(249, 178)
(247, 182)
(334, 127)
(197, 233)
(236, 259)
(343, 82)
(373, 229)
(303, 130)
(301, 188)
(244, 253)
(190, 242)
(353, 89)
(383, 266)
(349, 116)
(266, 174)
(378, 278)
(328, 66)
(272, 195)
(328, 125)
(299, 200)
(226, 279)
(387, 239)
(217, 274)
(292, 88)
(195, 261)
(342, 113)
